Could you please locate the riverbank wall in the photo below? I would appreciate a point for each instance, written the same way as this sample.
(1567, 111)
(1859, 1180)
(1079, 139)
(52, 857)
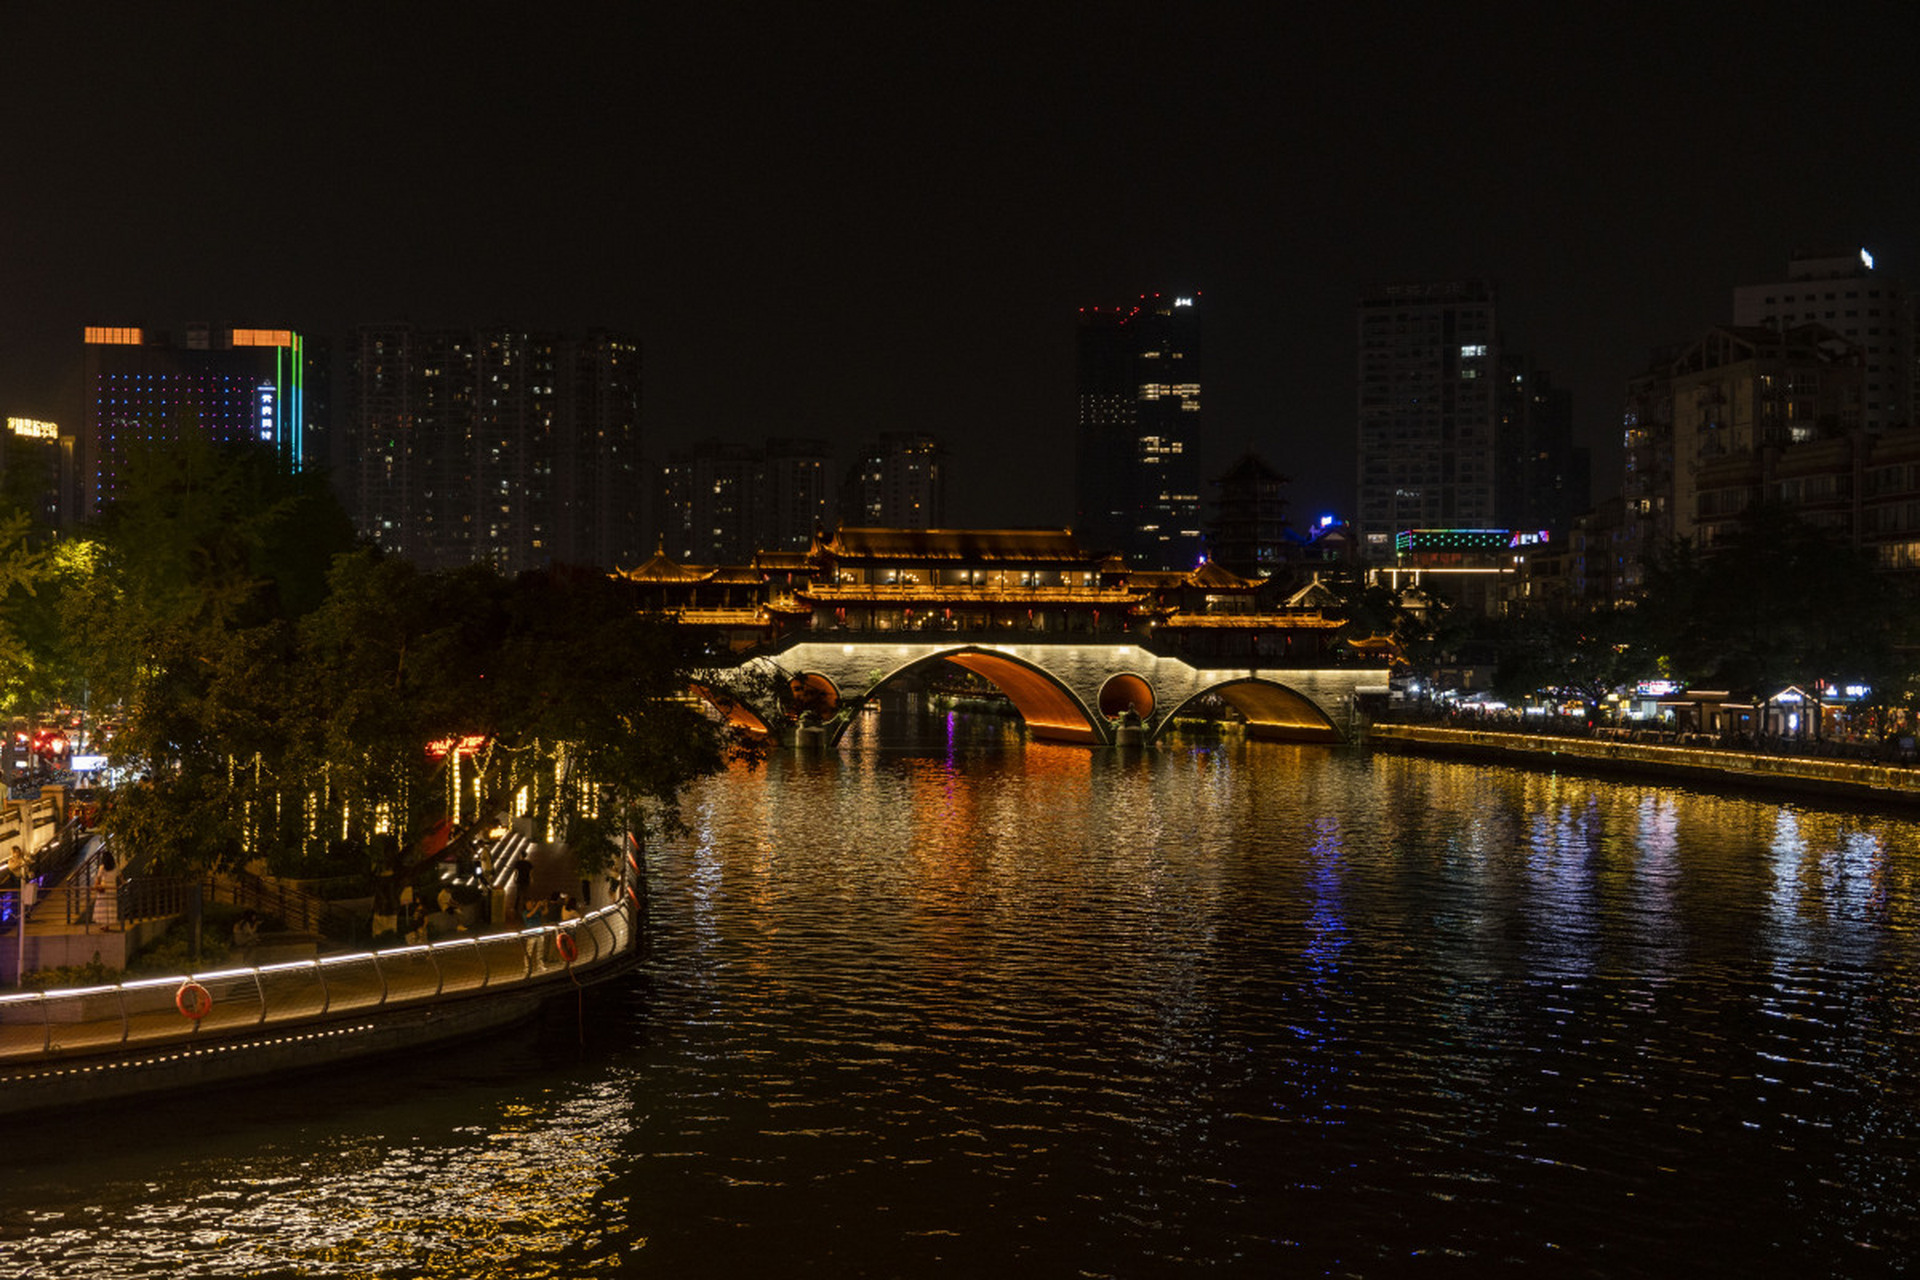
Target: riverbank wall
(1880, 784)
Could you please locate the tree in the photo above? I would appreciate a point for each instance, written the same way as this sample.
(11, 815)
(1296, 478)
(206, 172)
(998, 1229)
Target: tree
(287, 695)
(584, 673)
(1777, 602)
(1585, 652)
(185, 624)
(566, 697)
(25, 567)
(387, 666)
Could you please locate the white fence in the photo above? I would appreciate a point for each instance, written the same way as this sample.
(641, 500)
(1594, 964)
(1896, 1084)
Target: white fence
(235, 1001)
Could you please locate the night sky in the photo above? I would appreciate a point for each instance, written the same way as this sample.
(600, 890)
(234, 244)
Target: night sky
(835, 220)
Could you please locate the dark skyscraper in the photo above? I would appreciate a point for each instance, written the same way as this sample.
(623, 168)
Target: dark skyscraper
(599, 479)
(1551, 477)
(1137, 451)
(1247, 527)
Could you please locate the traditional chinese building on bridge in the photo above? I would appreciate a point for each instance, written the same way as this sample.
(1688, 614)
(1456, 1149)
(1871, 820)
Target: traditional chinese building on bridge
(1001, 582)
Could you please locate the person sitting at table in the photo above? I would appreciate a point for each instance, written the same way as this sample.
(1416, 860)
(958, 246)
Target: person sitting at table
(443, 923)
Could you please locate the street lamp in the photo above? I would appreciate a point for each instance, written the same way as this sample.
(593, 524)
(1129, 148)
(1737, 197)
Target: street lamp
(17, 863)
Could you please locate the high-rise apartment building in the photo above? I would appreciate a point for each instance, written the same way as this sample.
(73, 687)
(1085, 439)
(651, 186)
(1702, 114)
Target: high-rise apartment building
(494, 446)
(224, 385)
(800, 493)
(1137, 455)
(600, 479)
(898, 482)
(1844, 292)
(37, 470)
(709, 503)
(1715, 426)
(1431, 440)
(719, 503)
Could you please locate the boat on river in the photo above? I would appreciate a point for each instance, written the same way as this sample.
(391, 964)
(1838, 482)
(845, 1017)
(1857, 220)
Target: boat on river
(100, 1044)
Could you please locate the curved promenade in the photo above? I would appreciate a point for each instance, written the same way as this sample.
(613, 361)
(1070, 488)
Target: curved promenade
(101, 1043)
(1807, 775)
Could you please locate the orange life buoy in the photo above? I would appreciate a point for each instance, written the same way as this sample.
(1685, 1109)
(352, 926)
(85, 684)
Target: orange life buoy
(569, 949)
(193, 1001)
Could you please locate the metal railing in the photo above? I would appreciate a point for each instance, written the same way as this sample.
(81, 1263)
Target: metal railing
(154, 897)
(66, 902)
(35, 1025)
(298, 909)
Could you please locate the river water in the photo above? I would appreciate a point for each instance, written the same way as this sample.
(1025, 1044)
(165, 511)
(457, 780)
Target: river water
(958, 1004)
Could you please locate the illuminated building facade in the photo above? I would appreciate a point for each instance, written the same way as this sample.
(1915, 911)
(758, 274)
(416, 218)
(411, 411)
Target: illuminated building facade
(1804, 401)
(977, 584)
(1137, 445)
(226, 385)
(1472, 569)
(972, 580)
(502, 447)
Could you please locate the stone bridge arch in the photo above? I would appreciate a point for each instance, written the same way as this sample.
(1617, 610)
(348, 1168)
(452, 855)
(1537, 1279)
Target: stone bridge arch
(1269, 708)
(1051, 709)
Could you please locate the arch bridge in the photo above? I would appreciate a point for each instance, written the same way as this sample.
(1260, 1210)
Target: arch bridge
(1065, 691)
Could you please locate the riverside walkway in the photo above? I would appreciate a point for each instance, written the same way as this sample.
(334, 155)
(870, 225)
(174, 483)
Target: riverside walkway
(1895, 783)
(107, 1042)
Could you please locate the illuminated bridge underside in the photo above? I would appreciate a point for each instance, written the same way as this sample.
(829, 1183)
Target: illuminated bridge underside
(1058, 687)
(737, 714)
(1275, 711)
(1049, 710)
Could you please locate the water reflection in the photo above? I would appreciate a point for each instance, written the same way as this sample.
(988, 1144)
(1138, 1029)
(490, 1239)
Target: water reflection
(518, 1186)
(962, 1004)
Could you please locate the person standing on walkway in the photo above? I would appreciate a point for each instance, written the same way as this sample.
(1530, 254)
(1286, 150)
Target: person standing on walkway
(106, 894)
(522, 884)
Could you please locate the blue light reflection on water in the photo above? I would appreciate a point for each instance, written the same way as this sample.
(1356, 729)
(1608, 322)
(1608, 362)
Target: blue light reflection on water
(1241, 1007)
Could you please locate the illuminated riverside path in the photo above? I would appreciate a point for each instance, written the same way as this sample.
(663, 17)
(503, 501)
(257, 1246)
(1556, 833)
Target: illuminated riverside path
(945, 1001)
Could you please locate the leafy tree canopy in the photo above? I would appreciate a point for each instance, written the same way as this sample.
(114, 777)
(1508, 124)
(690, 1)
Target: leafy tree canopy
(1778, 602)
(279, 688)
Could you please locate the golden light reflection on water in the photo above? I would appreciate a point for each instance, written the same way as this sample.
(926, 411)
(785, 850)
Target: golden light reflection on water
(1101, 1003)
(521, 1192)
